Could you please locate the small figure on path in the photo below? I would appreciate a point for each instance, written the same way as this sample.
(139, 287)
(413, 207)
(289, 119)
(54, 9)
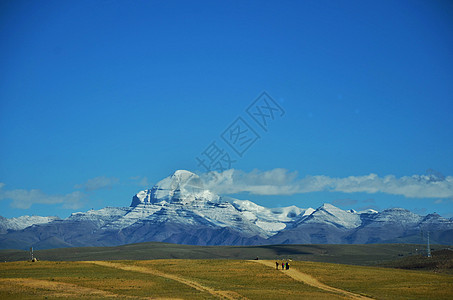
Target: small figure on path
(276, 265)
(287, 266)
(283, 265)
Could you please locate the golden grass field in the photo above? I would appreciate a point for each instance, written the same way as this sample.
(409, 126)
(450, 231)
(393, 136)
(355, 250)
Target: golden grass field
(215, 279)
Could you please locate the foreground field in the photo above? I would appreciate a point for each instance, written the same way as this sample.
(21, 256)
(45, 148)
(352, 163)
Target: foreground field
(215, 279)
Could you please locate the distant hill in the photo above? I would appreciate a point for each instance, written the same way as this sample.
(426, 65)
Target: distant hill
(372, 254)
(440, 261)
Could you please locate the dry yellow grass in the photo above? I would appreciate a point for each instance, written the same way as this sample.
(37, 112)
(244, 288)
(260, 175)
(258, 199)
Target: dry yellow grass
(212, 279)
(118, 282)
(310, 280)
(241, 278)
(381, 283)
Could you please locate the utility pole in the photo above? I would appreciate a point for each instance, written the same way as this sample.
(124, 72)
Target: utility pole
(31, 253)
(429, 248)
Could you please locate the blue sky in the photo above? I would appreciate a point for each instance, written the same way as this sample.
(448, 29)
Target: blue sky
(99, 100)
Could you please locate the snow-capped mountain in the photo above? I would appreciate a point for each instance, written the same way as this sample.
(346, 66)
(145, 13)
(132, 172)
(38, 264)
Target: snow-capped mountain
(23, 222)
(329, 214)
(179, 209)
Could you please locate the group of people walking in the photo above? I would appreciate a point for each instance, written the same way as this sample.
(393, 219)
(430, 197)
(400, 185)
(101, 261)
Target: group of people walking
(285, 265)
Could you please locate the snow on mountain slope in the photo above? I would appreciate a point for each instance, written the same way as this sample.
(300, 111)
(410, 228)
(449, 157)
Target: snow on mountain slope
(329, 214)
(178, 199)
(23, 222)
(368, 211)
(271, 220)
(101, 217)
(181, 198)
(401, 216)
(130, 215)
(182, 187)
(434, 222)
(179, 209)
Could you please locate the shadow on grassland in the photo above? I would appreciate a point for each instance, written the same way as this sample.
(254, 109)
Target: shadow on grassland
(370, 254)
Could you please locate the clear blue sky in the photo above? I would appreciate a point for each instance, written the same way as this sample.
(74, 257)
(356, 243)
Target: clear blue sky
(100, 99)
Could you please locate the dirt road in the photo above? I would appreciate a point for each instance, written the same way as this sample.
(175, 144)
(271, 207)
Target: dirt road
(307, 279)
(230, 295)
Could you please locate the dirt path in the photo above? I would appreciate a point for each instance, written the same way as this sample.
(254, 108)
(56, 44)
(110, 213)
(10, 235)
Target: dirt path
(230, 295)
(307, 279)
(62, 289)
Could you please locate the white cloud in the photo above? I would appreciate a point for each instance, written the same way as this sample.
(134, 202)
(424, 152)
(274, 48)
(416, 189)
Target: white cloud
(283, 182)
(98, 183)
(416, 186)
(273, 182)
(24, 199)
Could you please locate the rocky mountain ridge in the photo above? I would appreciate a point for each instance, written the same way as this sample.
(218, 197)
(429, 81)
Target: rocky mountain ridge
(179, 209)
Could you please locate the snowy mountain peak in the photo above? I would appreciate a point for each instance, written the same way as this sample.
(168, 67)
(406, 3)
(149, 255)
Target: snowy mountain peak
(330, 208)
(368, 211)
(181, 187)
(180, 209)
(22, 222)
(329, 214)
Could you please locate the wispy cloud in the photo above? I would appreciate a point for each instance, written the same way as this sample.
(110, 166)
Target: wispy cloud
(344, 202)
(283, 182)
(24, 199)
(98, 183)
(443, 201)
(140, 181)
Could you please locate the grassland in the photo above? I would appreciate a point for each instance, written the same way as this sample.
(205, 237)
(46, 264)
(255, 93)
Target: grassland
(212, 279)
(441, 261)
(371, 254)
(381, 283)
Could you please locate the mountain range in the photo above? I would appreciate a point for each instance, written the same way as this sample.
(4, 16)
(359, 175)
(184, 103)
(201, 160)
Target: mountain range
(178, 209)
